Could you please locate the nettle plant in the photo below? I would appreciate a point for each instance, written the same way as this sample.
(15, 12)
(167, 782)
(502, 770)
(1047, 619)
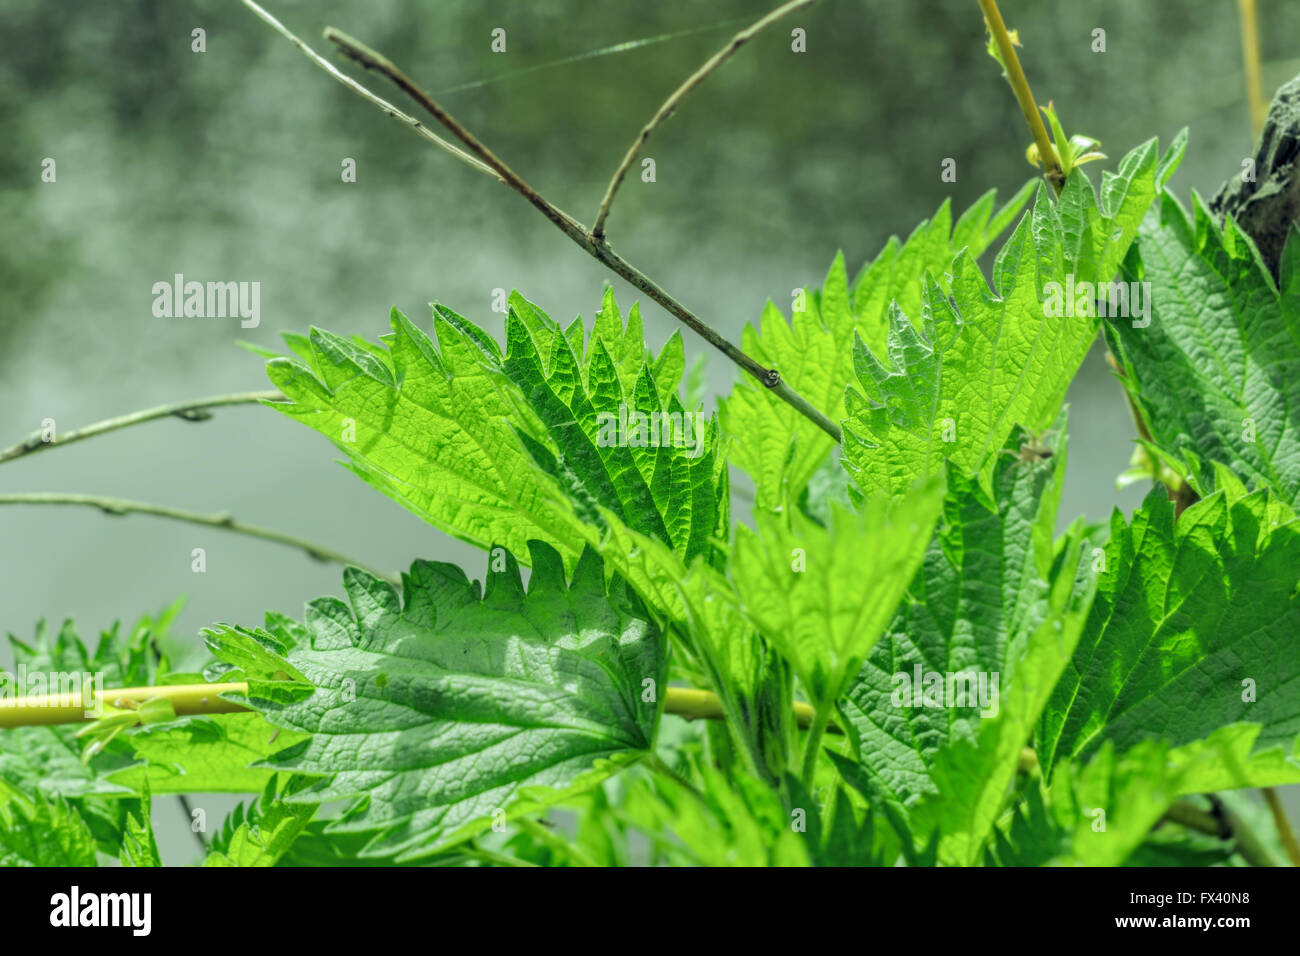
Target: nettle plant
(897, 659)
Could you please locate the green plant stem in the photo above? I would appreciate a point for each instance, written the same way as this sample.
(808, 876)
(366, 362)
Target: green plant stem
(671, 104)
(1176, 486)
(498, 859)
(543, 834)
(656, 763)
(1248, 13)
(1283, 824)
(691, 703)
(1222, 823)
(1024, 96)
(191, 411)
(687, 702)
(190, 699)
(1225, 825)
(70, 708)
(121, 506)
(813, 745)
(579, 234)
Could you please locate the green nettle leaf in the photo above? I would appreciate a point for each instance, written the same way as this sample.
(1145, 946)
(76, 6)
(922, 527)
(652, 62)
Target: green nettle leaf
(774, 444)
(895, 275)
(1194, 628)
(139, 846)
(206, 754)
(981, 592)
(124, 660)
(186, 755)
(734, 820)
(1095, 815)
(981, 361)
(971, 776)
(428, 425)
(1228, 758)
(48, 760)
(42, 831)
(445, 706)
(621, 436)
(260, 833)
(1214, 361)
(536, 444)
(822, 596)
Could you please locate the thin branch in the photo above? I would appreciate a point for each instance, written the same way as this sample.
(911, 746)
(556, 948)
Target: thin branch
(1024, 96)
(189, 815)
(1177, 488)
(1222, 823)
(365, 94)
(121, 506)
(671, 104)
(1284, 831)
(599, 250)
(192, 411)
(1249, 16)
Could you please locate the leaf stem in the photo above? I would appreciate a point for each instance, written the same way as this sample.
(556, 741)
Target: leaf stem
(686, 702)
(122, 506)
(691, 703)
(656, 764)
(1177, 487)
(813, 745)
(1224, 824)
(70, 708)
(547, 837)
(1024, 96)
(671, 104)
(1284, 831)
(191, 411)
(497, 859)
(597, 248)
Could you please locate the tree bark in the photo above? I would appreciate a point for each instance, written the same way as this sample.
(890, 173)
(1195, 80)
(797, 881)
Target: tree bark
(1268, 208)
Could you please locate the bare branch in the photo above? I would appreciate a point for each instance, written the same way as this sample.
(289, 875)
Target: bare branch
(121, 506)
(192, 411)
(671, 104)
(599, 250)
(365, 94)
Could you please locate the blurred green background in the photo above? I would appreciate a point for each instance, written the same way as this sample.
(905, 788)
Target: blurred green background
(225, 165)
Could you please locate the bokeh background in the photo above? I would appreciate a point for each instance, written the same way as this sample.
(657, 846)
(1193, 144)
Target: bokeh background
(225, 165)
